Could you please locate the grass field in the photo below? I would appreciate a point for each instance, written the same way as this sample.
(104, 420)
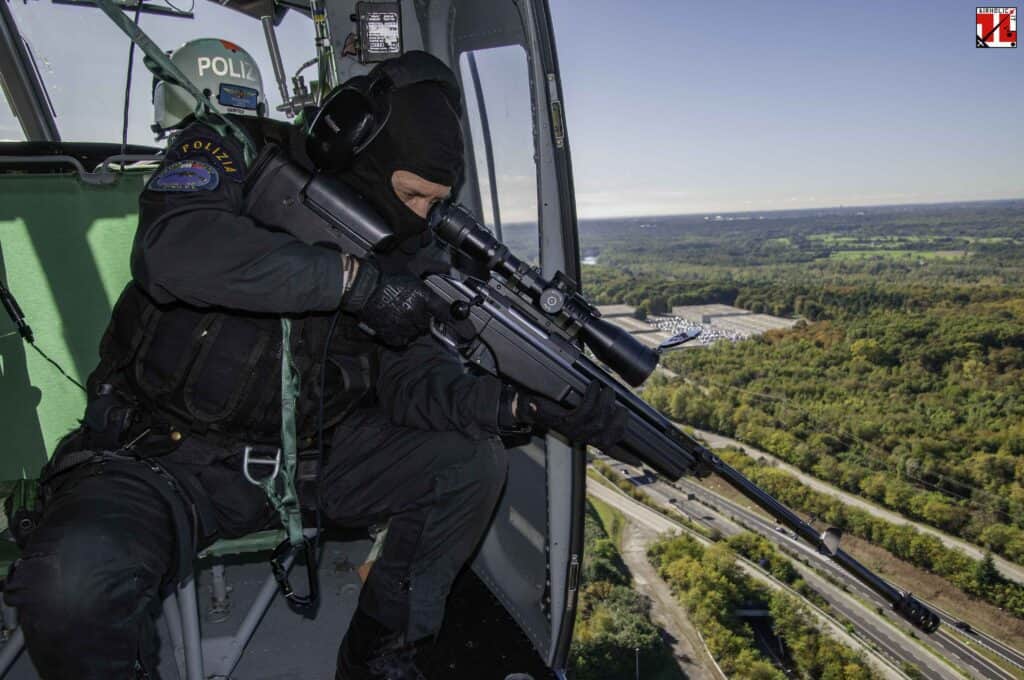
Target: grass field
(898, 247)
(898, 254)
(611, 519)
(991, 239)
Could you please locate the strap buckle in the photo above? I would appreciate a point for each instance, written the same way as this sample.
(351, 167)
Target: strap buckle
(281, 562)
(251, 455)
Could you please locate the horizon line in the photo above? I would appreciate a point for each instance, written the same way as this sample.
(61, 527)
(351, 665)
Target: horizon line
(796, 209)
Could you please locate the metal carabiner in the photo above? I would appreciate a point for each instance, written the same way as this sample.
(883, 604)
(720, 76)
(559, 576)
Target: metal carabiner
(248, 459)
(280, 564)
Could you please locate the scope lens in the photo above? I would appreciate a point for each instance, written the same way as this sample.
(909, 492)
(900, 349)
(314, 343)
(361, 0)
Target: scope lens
(623, 353)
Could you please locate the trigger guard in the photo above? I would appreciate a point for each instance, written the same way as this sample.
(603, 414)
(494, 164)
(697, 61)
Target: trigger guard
(437, 329)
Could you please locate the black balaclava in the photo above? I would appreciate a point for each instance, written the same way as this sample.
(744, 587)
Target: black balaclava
(423, 136)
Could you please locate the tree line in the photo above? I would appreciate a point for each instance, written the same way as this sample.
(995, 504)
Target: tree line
(712, 587)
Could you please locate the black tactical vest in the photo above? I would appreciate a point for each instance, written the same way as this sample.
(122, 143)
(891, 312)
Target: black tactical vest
(218, 373)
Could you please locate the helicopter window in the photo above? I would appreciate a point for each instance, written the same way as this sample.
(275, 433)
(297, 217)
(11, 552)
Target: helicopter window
(83, 58)
(10, 129)
(501, 126)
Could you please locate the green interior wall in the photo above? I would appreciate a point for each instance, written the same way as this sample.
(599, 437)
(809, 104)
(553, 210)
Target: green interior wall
(64, 250)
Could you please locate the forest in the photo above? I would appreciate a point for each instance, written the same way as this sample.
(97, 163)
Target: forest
(904, 381)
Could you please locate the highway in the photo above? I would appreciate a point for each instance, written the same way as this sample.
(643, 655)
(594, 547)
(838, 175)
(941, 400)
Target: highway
(957, 641)
(1014, 572)
(871, 627)
(952, 644)
(647, 517)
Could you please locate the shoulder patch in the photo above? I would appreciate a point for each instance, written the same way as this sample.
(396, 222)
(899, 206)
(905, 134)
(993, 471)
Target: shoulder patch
(198, 142)
(185, 176)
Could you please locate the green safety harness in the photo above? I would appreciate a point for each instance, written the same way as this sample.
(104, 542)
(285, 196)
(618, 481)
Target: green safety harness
(280, 484)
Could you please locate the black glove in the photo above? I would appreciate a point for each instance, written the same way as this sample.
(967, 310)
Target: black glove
(395, 305)
(598, 420)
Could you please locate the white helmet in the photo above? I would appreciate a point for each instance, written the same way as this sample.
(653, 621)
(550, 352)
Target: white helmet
(222, 70)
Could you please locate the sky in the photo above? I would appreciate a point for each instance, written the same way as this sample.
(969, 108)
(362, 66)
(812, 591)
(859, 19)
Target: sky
(676, 106)
(672, 106)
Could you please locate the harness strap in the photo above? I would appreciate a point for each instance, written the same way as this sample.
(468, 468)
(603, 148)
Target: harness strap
(286, 500)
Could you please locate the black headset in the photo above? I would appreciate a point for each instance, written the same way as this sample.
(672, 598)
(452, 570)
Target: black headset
(355, 112)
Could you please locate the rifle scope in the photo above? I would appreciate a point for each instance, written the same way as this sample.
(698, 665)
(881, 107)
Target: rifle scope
(618, 349)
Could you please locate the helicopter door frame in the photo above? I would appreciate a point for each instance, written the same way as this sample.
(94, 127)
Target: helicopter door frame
(559, 251)
(22, 84)
(527, 23)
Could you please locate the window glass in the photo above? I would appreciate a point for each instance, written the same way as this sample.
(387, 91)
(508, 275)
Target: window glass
(83, 59)
(505, 90)
(10, 128)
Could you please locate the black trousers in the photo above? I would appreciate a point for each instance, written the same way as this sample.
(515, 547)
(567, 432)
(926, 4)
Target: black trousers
(88, 585)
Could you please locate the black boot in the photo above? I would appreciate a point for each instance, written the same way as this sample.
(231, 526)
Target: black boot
(372, 651)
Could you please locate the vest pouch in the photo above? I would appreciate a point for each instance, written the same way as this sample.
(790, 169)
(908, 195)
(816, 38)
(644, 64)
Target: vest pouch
(349, 383)
(168, 349)
(130, 322)
(349, 375)
(23, 510)
(237, 356)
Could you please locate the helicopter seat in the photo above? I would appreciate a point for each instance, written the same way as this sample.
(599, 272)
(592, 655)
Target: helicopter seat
(197, 657)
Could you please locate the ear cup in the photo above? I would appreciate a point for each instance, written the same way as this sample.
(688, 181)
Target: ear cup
(347, 121)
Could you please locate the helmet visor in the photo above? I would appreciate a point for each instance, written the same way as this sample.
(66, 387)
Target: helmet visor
(239, 96)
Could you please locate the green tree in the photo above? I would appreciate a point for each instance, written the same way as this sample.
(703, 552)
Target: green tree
(986, 575)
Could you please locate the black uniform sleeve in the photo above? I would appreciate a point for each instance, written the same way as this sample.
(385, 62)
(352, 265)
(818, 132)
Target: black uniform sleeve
(425, 386)
(194, 244)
